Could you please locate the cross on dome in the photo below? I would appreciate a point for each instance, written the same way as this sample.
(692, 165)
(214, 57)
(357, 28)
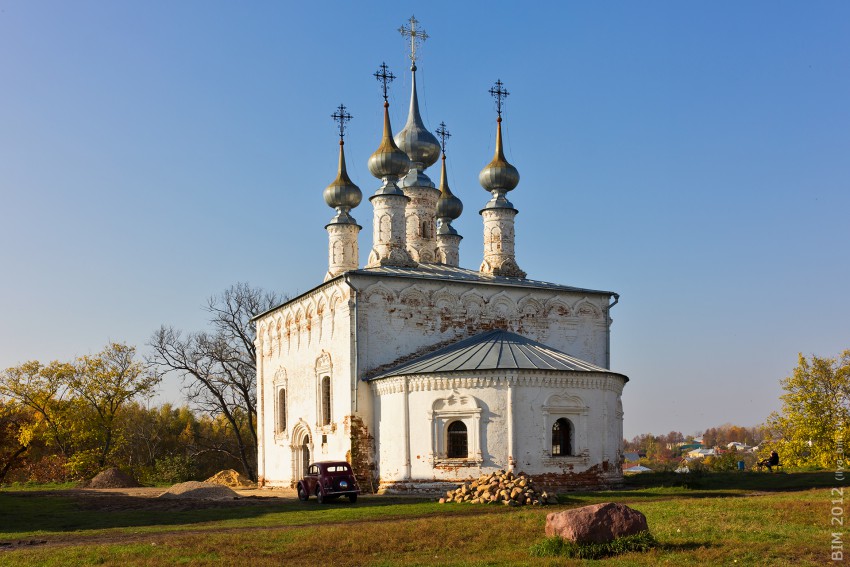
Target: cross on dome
(444, 135)
(416, 37)
(341, 117)
(499, 94)
(385, 77)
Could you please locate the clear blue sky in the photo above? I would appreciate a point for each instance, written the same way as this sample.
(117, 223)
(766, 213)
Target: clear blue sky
(694, 157)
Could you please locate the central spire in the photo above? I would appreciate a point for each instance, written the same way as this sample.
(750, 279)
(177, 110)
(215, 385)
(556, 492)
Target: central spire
(422, 148)
(415, 140)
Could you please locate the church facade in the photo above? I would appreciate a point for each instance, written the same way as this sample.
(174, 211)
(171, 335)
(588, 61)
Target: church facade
(420, 372)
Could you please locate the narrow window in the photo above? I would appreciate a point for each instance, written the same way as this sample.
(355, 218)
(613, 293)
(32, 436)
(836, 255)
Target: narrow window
(326, 400)
(456, 441)
(562, 438)
(281, 410)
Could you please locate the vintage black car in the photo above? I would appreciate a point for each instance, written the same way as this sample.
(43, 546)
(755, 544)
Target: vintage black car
(328, 480)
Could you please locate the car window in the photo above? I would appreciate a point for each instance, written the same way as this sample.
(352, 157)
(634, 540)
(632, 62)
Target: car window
(338, 468)
(314, 470)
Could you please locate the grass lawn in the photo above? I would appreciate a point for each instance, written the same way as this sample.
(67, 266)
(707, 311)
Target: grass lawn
(735, 518)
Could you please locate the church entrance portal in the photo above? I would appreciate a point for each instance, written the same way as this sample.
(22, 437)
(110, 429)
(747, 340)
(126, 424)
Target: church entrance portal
(300, 452)
(305, 457)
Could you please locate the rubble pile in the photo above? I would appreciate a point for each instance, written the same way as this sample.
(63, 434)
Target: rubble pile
(232, 479)
(199, 491)
(504, 487)
(112, 478)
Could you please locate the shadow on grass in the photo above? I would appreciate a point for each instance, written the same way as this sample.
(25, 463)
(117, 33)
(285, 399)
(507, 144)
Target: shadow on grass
(33, 512)
(645, 495)
(734, 480)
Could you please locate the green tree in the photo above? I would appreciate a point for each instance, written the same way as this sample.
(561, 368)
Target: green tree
(815, 416)
(102, 384)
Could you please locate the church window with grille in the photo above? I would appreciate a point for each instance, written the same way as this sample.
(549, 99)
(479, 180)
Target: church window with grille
(326, 401)
(281, 410)
(456, 441)
(562, 432)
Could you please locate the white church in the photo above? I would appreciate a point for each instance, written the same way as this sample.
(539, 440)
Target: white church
(420, 372)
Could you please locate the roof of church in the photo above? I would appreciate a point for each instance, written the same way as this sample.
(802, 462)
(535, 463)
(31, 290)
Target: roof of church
(453, 273)
(493, 350)
(447, 273)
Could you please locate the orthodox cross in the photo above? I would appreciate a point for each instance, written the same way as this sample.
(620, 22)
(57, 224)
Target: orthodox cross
(416, 37)
(385, 78)
(444, 135)
(341, 117)
(499, 94)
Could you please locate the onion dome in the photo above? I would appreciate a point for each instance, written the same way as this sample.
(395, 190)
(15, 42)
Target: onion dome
(388, 162)
(415, 140)
(449, 207)
(499, 176)
(342, 194)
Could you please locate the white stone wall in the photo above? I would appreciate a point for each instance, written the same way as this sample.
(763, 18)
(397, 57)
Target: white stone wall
(399, 317)
(298, 344)
(509, 419)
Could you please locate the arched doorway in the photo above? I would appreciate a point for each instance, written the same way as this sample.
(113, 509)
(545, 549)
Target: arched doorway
(305, 456)
(301, 451)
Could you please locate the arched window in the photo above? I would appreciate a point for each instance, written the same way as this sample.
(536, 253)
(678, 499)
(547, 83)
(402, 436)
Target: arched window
(456, 444)
(326, 400)
(562, 433)
(281, 410)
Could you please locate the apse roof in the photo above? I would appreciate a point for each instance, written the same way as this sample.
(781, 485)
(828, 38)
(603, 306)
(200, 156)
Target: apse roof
(493, 350)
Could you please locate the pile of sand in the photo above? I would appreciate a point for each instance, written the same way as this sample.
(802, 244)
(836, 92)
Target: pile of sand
(231, 478)
(193, 490)
(112, 478)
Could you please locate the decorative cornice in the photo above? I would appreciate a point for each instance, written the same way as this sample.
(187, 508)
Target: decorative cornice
(496, 379)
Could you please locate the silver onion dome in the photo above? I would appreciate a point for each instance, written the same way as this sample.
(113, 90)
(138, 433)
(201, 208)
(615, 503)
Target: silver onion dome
(449, 207)
(388, 162)
(342, 194)
(498, 176)
(415, 140)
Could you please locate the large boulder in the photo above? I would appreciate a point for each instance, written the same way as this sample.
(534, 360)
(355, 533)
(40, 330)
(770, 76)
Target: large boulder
(599, 523)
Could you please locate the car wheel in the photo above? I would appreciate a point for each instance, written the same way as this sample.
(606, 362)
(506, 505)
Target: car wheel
(302, 493)
(319, 496)
(352, 498)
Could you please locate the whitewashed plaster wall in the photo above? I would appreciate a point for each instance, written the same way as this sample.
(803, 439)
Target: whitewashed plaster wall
(401, 317)
(298, 344)
(509, 418)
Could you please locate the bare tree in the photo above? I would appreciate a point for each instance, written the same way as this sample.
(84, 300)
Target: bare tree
(219, 367)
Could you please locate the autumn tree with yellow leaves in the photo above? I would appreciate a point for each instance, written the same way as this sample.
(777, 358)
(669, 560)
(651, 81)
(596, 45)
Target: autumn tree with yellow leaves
(813, 427)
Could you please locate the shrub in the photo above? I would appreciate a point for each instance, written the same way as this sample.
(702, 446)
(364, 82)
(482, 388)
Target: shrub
(173, 469)
(557, 546)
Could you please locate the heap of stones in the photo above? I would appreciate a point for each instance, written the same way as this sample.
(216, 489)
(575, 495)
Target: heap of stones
(504, 487)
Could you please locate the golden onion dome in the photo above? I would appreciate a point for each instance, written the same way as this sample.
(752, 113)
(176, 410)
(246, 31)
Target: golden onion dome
(342, 194)
(499, 175)
(448, 206)
(388, 161)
